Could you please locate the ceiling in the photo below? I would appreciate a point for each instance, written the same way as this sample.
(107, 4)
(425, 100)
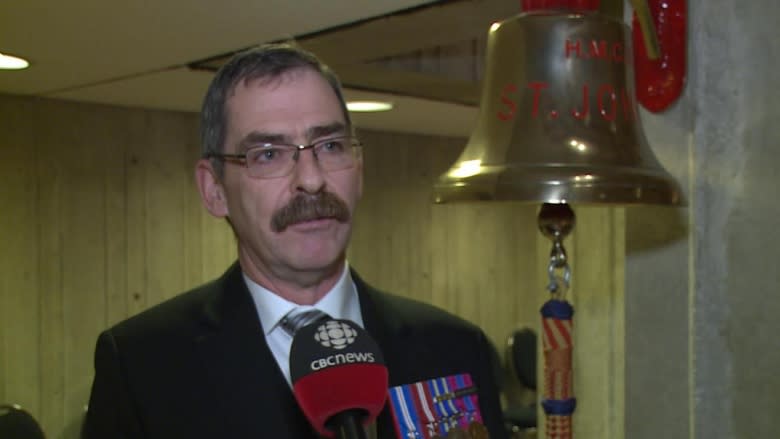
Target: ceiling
(425, 56)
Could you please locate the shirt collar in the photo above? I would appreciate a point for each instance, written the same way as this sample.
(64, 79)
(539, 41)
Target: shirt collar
(341, 302)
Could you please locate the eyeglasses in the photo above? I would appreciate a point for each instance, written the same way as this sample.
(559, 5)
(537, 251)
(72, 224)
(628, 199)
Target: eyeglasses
(271, 160)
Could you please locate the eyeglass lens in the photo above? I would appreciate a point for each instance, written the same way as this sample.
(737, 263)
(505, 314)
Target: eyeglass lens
(278, 160)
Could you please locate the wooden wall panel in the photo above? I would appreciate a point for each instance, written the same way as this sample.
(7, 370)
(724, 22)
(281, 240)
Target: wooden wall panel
(193, 211)
(470, 259)
(165, 204)
(102, 220)
(392, 240)
(598, 256)
(81, 146)
(219, 247)
(97, 227)
(51, 175)
(20, 296)
(486, 271)
(136, 165)
(119, 140)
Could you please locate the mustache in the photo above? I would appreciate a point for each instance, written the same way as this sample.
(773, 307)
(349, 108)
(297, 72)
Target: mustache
(310, 207)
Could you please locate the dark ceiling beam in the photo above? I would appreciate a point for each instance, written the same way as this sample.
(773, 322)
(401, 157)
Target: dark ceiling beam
(427, 86)
(390, 54)
(395, 35)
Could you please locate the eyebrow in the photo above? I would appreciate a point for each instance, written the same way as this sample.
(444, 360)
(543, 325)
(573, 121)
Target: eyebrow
(259, 137)
(325, 130)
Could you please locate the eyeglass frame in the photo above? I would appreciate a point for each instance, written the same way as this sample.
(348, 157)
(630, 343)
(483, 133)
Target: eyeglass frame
(354, 143)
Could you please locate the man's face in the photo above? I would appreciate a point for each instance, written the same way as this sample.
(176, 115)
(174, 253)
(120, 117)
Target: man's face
(300, 107)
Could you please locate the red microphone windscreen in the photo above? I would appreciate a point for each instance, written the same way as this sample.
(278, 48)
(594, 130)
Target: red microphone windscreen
(337, 367)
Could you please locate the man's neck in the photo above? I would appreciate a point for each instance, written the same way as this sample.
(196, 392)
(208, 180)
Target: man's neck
(301, 287)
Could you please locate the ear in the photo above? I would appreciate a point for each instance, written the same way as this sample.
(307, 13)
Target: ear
(359, 166)
(212, 193)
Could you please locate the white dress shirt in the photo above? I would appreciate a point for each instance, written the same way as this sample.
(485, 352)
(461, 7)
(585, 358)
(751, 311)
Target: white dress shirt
(341, 302)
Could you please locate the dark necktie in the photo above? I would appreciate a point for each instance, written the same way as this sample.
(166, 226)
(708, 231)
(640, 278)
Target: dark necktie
(294, 320)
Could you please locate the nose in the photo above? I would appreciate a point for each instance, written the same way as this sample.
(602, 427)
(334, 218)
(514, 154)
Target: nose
(307, 174)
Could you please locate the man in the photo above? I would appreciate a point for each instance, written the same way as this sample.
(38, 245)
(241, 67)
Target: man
(281, 164)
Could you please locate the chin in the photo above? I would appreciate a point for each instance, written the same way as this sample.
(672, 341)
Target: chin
(319, 258)
(324, 268)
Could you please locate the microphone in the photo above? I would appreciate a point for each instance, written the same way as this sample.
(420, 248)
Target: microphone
(339, 377)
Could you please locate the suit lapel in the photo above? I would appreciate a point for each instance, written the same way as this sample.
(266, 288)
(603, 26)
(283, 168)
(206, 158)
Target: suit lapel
(405, 347)
(390, 333)
(250, 394)
(390, 330)
(245, 378)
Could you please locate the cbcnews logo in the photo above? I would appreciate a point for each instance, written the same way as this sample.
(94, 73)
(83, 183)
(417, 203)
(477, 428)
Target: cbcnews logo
(338, 335)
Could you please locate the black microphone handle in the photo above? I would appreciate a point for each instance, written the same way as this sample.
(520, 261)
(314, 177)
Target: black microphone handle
(348, 425)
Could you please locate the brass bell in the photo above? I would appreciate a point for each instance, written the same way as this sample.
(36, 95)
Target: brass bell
(558, 121)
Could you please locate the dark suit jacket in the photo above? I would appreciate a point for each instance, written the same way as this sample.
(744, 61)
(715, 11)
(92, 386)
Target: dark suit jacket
(198, 366)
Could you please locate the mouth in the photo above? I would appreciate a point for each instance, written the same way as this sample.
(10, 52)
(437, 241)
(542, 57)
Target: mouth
(313, 224)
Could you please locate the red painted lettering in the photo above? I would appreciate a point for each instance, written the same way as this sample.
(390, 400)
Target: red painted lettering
(573, 46)
(595, 49)
(598, 49)
(585, 105)
(607, 109)
(511, 106)
(618, 54)
(537, 87)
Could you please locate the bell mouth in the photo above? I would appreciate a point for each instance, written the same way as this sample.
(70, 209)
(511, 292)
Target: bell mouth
(559, 183)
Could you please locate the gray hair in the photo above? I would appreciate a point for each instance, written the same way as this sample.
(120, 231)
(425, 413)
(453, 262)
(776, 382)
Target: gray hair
(268, 61)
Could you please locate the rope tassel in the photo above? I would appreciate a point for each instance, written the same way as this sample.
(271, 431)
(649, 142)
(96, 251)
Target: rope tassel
(558, 399)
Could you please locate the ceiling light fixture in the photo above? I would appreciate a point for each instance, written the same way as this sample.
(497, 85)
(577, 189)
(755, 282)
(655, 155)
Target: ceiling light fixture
(10, 62)
(369, 106)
